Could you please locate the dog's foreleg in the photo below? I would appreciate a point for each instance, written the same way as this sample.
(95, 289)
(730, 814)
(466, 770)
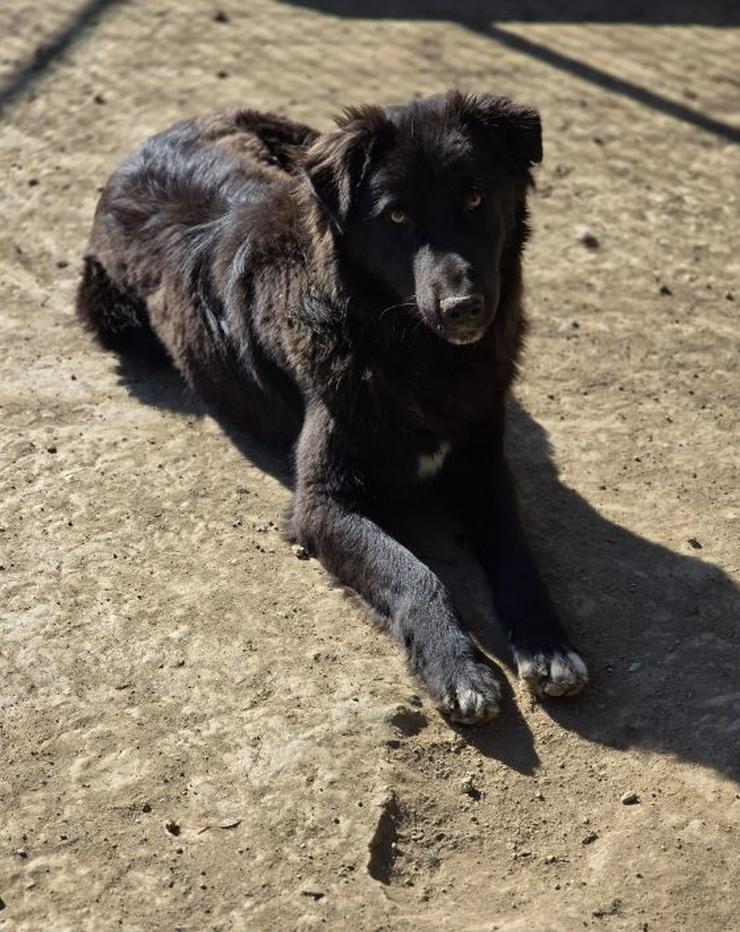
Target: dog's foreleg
(480, 486)
(408, 598)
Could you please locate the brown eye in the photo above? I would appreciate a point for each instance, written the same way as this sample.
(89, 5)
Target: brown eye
(398, 216)
(473, 200)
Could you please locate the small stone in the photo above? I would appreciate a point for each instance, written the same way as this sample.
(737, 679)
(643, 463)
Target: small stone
(221, 16)
(172, 827)
(634, 667)
(51, 449)
(146, 807)
(664, 289)
(300, 551)
(21, 853)
(586, 238)
(589, 839)
(550, 858)
(222, 74)
(229, 823)
(629, 799)
(694, 544)
(99, 99)
(469, 789)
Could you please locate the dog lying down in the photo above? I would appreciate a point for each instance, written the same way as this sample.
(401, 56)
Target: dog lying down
(353, 298)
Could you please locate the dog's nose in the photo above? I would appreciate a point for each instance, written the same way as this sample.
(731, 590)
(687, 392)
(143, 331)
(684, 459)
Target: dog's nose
(461, 307)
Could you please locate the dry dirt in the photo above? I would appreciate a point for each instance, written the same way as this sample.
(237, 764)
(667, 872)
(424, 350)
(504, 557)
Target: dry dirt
(200, 732)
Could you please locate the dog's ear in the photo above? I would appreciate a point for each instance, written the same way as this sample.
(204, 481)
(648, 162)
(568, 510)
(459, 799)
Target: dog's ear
(335, 163)
(516, 126)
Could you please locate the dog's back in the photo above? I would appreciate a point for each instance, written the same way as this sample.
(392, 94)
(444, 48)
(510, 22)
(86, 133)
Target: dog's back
(148, 279)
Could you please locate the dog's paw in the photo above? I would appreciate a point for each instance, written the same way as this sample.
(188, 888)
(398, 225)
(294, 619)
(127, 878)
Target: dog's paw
(472, 695)
(557, 671)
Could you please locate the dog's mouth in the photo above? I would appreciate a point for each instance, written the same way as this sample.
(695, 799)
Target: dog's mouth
(467, 332)
(463, 336)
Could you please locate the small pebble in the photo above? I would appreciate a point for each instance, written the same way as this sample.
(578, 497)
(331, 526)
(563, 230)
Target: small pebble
(587, 238)
(629, 799)
(694, 544)
(589, 839)
(51, 449)
(664, 289)
(221, 16)
(470, 789)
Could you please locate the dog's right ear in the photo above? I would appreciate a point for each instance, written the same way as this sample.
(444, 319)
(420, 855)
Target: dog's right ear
(335, 163)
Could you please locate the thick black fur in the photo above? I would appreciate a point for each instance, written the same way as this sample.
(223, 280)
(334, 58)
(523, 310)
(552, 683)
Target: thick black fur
(353, 297)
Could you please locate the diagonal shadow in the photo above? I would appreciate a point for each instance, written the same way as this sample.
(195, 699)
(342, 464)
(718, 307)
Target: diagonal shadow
(478, 16)
(476, 12)
(610, 82)
(48, 52)
(661, 630)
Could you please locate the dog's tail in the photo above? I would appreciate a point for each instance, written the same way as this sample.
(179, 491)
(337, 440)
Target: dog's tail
(119, 320)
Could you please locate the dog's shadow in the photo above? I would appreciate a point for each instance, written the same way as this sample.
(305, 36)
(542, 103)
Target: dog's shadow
(659, 628)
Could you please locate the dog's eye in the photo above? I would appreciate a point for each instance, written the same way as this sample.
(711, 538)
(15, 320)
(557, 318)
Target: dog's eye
(398, 216)
(473, 200)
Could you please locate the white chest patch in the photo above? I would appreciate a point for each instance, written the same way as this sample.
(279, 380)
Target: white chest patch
(431, 463)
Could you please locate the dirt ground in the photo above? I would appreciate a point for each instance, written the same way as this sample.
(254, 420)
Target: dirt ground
(198, 730)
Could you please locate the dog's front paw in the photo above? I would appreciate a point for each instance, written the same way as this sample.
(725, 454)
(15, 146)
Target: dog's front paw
(467, 692)
(555, 671)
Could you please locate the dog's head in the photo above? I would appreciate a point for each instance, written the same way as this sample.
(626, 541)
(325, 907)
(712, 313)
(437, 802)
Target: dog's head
(423, 200)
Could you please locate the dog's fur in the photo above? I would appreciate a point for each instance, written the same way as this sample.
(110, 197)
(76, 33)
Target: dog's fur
(355, 297)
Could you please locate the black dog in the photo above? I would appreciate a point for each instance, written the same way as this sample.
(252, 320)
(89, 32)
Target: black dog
(355, 297)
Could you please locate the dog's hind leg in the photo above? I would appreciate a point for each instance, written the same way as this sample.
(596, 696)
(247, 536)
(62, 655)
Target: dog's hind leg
(119, 320)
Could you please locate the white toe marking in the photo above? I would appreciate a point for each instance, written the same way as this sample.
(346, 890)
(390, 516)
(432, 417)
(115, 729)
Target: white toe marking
(468, 698)
(431, 463)
(577, 664)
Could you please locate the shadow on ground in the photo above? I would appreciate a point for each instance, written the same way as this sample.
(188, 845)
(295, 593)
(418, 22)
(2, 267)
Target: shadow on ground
(660, 629)
(479, 16)
(472, 12)
(52, 48)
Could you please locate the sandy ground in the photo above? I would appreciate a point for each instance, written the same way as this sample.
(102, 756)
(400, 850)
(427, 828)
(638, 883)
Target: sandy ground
(198, 731)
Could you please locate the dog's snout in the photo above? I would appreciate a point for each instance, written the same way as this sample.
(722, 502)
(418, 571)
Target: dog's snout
(461, 307)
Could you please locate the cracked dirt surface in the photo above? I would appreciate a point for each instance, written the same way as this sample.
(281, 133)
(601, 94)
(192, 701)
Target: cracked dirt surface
(198, 730)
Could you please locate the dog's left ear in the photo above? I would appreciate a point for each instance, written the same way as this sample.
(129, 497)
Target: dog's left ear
(335, 164)
(514, 125)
